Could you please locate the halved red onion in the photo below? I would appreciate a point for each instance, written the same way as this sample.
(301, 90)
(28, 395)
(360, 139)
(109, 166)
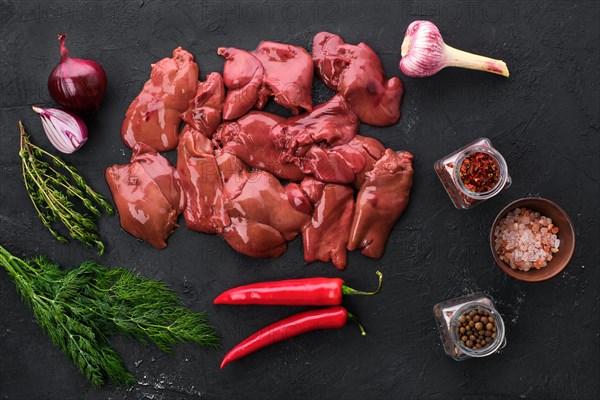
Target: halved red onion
(66, 131)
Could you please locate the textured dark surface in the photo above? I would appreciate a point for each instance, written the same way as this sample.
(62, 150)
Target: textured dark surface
(544, 119)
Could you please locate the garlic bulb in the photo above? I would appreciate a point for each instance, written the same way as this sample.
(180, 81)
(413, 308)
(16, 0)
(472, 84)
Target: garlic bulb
(424, 53)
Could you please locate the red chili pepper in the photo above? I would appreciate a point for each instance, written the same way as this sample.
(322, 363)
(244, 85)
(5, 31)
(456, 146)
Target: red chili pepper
(292, 292)
(324, 318)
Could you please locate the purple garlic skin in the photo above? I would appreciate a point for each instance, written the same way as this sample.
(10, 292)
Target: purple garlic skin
(422, 50)
(424, 53)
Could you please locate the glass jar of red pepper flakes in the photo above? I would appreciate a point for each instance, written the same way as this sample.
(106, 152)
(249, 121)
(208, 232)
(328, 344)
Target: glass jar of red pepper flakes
(473, 173)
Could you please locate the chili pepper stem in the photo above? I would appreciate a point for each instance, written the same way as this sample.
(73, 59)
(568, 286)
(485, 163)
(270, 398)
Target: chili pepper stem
(463, 59)
(346, 290)
(357, 322)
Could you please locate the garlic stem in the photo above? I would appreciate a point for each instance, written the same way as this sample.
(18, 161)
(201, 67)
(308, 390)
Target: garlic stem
(463, 59)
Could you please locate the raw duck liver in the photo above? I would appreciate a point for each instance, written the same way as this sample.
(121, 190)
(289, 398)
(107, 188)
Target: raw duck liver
(249, 139)
(325, 236)
(243, 75)
(356, 72)
(204, 110)
(381, 200)
(254, 239)
(278, 70)
(147, 195)
(288, 76)
(201, 183)
(153, 118)
(259, 196)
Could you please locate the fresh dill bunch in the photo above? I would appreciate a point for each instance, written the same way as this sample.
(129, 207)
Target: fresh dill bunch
(55, 193)
(149, 311)
(80, 309)
(53, 295)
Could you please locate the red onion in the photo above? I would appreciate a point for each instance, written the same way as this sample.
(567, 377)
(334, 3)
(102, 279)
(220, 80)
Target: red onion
(66, 131)
(77, 84)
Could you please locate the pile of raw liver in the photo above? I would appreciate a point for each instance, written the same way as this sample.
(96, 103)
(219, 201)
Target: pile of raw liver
(232, 158)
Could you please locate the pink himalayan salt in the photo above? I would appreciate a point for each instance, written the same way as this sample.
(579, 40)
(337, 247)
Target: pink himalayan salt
(525, 239)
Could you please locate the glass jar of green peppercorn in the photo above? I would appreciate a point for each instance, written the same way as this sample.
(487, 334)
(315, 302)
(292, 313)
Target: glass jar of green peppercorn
(470, 326)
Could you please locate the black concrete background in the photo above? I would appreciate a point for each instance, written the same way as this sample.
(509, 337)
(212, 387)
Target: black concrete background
(544, 119)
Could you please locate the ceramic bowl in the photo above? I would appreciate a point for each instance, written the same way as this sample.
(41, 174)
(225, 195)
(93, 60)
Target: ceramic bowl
(566, 235)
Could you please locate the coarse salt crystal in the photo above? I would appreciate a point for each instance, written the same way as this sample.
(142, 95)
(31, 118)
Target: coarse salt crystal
(530, 235)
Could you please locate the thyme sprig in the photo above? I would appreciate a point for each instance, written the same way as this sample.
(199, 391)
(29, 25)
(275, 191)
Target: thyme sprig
(54, 188)
(82, 308)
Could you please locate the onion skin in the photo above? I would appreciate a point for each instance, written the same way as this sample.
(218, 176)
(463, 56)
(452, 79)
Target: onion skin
(77, 84)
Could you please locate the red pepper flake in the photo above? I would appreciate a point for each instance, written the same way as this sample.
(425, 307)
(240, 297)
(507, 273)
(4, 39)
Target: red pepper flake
(479, 172)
